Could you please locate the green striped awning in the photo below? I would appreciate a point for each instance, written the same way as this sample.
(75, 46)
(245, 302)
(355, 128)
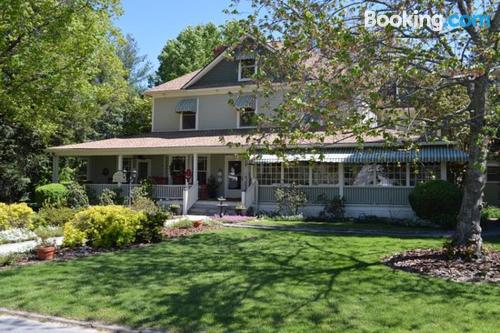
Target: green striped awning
(245, 101)
(353, 155)
(186, 105)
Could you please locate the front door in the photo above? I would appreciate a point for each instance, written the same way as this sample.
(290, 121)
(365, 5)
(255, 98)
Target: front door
(233, 181)
(143, 170)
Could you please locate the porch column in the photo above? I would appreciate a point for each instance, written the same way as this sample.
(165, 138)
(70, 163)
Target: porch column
(55, 168)
(119, 165)
(341, 180)
(443, 170)
(195, 169)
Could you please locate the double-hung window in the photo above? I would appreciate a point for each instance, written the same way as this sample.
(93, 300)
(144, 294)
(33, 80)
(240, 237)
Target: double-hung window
(187, 110)
(246, 106)
(247, 68)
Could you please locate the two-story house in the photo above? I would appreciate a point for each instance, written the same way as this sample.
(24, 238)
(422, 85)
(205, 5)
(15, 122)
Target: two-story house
(189, 163)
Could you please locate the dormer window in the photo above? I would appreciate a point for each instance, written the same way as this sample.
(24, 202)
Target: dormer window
(247, 68)
(187, 109)
(246, 106)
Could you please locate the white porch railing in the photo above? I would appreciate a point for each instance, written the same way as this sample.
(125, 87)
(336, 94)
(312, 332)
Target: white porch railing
(167, 192)
(189, 197)
(248, 197)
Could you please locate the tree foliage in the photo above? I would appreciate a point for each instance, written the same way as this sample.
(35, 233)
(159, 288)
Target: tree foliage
(189, 51)
(421, 82)
(62, 81)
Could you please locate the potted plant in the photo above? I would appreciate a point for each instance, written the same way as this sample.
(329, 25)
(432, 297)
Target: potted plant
(46, 248)
(175, 209)
(240, 209)
(198, 224)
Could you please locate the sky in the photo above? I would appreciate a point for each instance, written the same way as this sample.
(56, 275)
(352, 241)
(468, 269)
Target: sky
(153, 22)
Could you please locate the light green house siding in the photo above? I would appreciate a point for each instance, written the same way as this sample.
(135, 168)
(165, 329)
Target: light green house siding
(214, 112)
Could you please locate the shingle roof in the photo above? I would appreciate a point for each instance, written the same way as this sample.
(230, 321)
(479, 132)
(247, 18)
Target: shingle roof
(204, 138)
(174, 84)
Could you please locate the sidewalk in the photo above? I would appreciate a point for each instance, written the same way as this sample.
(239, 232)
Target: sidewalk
(16, 324)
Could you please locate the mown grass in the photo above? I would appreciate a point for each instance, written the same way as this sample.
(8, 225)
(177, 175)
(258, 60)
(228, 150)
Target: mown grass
(354, 225)
(235, 280)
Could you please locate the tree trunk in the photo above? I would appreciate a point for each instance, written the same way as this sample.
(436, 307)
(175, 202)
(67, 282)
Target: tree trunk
(468, 232)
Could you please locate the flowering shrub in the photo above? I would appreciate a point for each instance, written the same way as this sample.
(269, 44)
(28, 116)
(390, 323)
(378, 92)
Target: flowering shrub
(103, 226)
(15, 235)
(15, 216)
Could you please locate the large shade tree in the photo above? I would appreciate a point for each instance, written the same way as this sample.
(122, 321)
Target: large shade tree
(59, 72)
(336, 69)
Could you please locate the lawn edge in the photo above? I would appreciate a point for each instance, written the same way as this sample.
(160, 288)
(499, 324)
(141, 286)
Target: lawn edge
(75, 322)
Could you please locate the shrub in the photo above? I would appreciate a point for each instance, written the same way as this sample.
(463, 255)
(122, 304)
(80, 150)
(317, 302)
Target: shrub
(54, 216)
(334, 208)
(15, 216)
(182, 224)
(54, 193)
(103, 227)
(490, 212)
(111, 197)
(436, 200)
(10, 259)
(151, 227)
(76, 196)
(155, 219)
(289, 199)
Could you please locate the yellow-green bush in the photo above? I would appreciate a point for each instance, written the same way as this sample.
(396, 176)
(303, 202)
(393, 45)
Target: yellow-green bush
(18, 215)
(104, 227)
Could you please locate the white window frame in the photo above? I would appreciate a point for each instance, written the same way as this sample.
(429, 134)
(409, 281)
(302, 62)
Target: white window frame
(243, 79)
(196, 118)
(238, 116)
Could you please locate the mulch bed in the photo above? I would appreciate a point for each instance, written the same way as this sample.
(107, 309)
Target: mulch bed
(435, 262)
(184, 232)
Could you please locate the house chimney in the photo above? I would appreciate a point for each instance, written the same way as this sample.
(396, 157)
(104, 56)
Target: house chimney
(218, 50)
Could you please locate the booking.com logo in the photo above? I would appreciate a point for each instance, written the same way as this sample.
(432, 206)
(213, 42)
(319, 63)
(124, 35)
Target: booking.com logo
(434, 22)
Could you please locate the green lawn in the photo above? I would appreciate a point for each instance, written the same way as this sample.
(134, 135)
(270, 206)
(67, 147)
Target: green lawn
(235, 280)
(378, 226)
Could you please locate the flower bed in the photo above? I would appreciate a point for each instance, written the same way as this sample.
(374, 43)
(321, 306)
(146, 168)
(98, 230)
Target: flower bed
(16, 235)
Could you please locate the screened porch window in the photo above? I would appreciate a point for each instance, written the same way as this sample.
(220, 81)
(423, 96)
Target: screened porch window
(325, 174)
(297, 173)
(269, 173)
(420, 173)
(390, 174)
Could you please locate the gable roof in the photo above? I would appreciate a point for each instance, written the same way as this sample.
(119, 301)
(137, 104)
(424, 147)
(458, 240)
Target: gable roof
(186, 80)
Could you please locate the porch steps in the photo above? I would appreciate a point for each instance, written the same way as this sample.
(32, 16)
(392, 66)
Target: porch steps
(210, 208)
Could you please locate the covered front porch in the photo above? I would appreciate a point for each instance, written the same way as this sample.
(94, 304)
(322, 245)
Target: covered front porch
(370, 180)
(177, 178)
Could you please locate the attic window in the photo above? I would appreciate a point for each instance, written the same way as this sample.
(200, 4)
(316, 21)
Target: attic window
(247, 68)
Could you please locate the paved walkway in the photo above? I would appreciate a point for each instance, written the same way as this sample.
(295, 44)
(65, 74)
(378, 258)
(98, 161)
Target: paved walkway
(23, 247)
(14, 324)
(343, 231)
(21, 322)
